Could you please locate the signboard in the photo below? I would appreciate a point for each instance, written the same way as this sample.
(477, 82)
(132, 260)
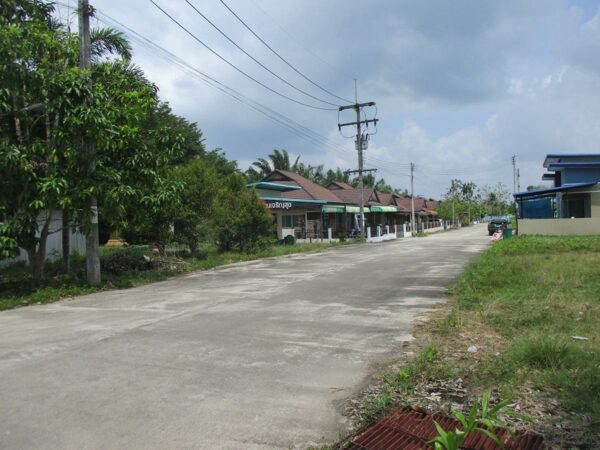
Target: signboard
(279, 205)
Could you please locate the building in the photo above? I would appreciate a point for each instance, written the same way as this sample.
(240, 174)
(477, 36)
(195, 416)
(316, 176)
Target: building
(306, 210)
(571, 205)
(301, 208)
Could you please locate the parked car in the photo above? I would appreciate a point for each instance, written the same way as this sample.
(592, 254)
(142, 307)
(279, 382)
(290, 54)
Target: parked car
(497, 224)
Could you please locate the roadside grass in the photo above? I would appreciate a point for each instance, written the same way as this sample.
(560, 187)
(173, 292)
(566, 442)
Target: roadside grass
(17, 288)
(531, 306)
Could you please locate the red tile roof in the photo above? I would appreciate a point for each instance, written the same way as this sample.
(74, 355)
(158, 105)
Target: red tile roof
(336, 185)
(352, 196)
(309, 191)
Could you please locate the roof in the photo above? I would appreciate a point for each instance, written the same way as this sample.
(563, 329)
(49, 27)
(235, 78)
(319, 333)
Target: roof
(542, 192)
(308, 191)
(385, 198)
(561, 165)
(334, 185)
(352, 196)
(273, 186)
(552, 158)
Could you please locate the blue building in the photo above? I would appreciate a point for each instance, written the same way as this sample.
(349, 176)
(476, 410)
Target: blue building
(571, 205)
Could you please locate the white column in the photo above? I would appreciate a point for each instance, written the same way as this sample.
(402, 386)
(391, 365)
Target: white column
(329, 234)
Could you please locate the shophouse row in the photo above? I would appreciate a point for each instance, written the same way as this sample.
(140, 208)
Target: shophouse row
(307, 210)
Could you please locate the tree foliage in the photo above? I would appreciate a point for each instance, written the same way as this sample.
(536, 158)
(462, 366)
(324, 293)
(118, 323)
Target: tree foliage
(241, 220)
(150, 172)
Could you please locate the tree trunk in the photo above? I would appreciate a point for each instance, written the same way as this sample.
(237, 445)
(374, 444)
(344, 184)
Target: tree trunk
(37, 256)
(66, 243)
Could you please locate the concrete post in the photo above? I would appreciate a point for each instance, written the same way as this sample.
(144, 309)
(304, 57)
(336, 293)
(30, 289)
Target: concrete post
(329, 234)
(368, 232)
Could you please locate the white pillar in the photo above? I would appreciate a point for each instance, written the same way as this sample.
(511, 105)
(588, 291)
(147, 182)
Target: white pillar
(387, 229)
(368, 232)
(329, 234)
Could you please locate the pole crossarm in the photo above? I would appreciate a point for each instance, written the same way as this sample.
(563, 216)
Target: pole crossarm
(340, 125)
(358, 171)
(357, 105)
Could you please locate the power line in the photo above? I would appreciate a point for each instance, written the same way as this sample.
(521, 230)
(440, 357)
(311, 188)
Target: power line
(254, 59)
(225, 60)
(296, 128)
(298, 43)
(281, 57)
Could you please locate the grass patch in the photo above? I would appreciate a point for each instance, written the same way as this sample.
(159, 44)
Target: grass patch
(539, 292)
(124, 268)
(520, 303)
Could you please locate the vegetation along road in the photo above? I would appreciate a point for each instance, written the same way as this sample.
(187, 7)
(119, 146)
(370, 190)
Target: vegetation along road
(254, 355)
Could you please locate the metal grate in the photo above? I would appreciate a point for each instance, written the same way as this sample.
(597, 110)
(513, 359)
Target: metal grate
(407, 429)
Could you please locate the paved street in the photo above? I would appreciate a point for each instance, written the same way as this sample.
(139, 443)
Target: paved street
(253, 356)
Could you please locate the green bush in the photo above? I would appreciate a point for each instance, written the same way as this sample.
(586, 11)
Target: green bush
(129, 259)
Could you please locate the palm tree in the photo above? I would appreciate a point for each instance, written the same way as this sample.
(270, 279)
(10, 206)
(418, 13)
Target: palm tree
(279, 160)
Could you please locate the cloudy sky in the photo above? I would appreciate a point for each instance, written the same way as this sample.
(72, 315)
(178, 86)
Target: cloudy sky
(460, 86)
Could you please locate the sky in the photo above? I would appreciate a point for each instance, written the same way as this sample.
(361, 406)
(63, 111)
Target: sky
(460, 86)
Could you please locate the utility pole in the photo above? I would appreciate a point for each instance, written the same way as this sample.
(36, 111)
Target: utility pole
(412, 199)
(514, 164)
(360, 141)
(518, 180)
(92, 250)
(362, 192)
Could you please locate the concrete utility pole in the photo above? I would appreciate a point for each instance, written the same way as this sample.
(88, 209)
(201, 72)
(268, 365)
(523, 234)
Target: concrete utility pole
(514, 164)
(92, 250)
(359, 147)
(412, 199)
(518, 180)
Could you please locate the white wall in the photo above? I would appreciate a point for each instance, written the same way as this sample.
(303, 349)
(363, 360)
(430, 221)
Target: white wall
(54, 242)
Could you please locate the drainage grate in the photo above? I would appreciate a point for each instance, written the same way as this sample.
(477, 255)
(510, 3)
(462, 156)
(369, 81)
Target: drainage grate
(407, 429)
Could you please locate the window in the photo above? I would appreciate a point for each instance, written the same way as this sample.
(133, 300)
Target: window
(577, 205)
(293, 221)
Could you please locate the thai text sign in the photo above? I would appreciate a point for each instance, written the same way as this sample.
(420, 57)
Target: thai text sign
(279, 205)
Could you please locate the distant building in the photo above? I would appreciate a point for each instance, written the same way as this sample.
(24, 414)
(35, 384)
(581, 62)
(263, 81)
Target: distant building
(306, 210)
(571, 205)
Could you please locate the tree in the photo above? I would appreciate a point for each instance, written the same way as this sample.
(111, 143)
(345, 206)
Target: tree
(47, 108)
(241, 220)
(279, 160)
(192, 216)
(36, 60)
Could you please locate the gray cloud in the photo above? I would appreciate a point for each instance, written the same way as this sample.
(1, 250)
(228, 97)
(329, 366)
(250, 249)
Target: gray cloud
(458, 84)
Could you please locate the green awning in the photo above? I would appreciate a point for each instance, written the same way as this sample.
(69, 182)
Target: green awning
(356, 209)
(332, 208)
(376, 208)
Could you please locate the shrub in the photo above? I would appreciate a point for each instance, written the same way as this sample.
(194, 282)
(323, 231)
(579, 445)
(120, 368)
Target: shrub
(130, 259)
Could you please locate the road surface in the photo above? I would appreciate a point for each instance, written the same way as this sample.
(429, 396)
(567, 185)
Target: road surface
(253, 356)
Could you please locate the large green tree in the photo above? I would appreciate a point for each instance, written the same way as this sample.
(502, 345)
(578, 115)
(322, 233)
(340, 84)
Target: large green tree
(47, 108)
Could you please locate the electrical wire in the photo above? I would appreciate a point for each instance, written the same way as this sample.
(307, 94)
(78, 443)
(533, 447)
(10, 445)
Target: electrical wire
(225, 60)
(254, 59)
(279, 56)
(296, 128)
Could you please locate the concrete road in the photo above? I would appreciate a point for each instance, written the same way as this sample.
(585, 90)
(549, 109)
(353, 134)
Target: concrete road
(252, 356)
